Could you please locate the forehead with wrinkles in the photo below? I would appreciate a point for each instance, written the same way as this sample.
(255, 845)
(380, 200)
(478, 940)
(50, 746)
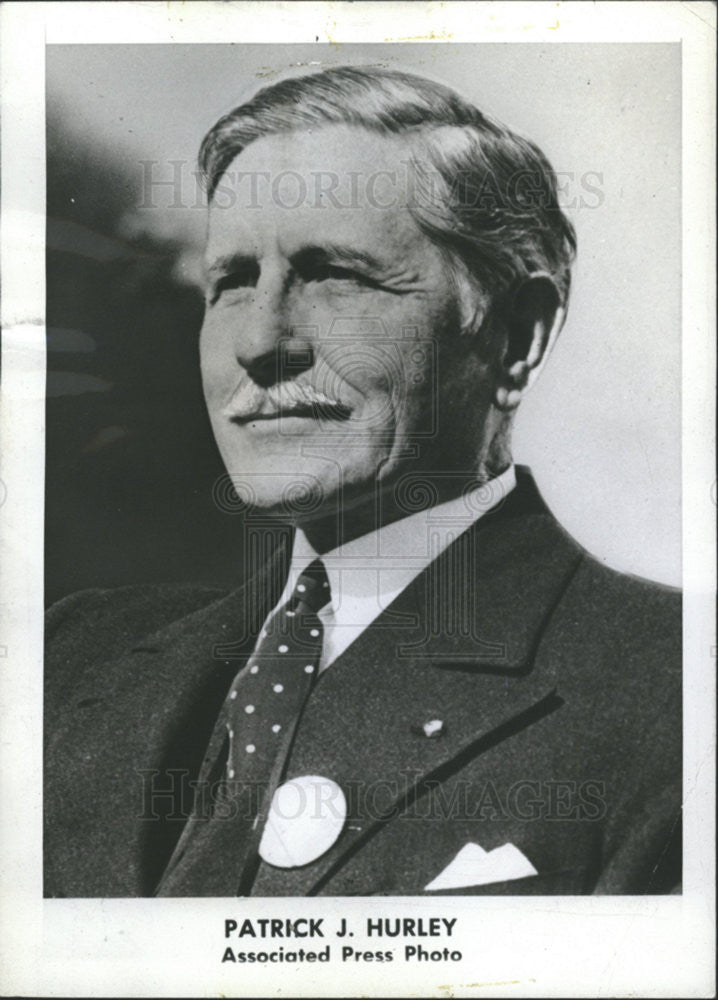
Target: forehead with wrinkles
(339, 185)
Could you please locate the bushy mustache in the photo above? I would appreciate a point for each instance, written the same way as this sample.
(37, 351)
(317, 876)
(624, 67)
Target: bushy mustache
(290, 397)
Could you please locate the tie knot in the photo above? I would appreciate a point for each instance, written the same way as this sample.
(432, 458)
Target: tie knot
(312, 586)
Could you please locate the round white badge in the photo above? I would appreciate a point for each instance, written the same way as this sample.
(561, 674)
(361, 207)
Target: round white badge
(305, 819)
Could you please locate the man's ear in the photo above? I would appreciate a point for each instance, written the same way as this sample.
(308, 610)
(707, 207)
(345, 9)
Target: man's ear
(531, 325)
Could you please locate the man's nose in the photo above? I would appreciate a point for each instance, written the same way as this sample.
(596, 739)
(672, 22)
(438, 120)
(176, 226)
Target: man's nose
(284, 361)
(267, 346)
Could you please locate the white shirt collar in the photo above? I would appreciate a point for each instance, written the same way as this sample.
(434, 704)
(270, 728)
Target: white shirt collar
(369, 572)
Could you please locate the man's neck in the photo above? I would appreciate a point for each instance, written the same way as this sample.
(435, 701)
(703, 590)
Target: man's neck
(353, 517)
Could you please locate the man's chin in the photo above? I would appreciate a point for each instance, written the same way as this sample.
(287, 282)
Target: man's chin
(280, 493)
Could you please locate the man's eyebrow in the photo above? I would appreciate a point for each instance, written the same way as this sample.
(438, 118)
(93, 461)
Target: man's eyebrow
(336, 252)
(311, 254)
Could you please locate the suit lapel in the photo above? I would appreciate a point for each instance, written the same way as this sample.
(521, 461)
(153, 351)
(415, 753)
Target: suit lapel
(466, 663)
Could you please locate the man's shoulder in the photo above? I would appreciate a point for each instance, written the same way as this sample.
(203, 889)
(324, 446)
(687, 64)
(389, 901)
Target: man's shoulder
(607, 595)
(92, 622)
(622, 629)
(636, 594)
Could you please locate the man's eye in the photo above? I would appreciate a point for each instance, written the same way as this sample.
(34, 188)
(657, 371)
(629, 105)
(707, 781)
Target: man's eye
(332, 272)
(244, 277)
(325, 272)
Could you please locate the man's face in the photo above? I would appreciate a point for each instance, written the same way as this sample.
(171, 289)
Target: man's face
(331, 355)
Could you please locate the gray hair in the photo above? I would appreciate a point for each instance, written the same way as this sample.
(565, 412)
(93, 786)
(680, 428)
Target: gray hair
(486, 195)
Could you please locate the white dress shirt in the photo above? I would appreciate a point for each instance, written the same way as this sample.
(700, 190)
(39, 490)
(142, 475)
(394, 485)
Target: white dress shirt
(369, 572)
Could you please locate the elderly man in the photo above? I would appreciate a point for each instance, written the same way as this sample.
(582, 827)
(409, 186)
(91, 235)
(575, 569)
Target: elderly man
(435, 689)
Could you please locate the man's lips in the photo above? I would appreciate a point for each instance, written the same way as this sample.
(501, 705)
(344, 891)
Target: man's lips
(250, 402)
(308, 413)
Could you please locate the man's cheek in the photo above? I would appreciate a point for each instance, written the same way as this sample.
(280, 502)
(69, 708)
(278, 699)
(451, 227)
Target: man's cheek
(376, 402)
(220, 373)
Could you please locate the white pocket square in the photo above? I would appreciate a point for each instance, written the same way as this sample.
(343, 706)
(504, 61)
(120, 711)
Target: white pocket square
(475, 866)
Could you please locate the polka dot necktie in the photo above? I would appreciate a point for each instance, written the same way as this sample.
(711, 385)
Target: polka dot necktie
(266, 698)
(219, 854)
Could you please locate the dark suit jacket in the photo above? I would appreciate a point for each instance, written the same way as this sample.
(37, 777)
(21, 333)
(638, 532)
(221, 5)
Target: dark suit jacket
(557, 681)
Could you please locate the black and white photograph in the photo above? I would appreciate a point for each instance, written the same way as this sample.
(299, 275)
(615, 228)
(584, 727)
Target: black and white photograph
(422, 683)
(367, 598)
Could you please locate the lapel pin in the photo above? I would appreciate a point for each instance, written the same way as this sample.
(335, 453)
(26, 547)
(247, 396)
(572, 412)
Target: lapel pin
(432, 729)
(305, 819)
